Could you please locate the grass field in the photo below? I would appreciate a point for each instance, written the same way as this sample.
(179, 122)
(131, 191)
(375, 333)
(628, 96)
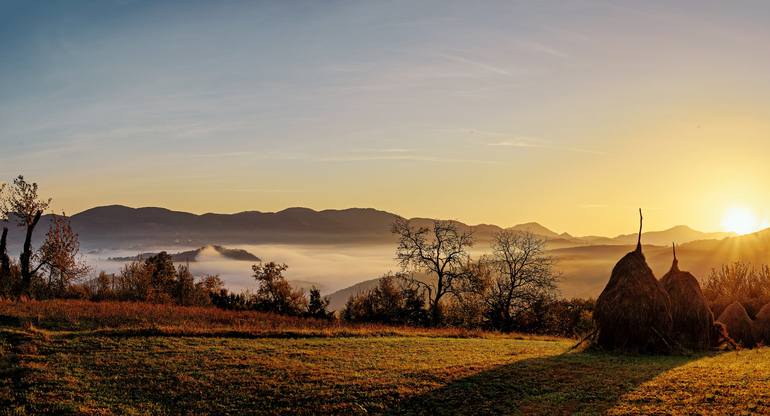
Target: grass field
(75, 365)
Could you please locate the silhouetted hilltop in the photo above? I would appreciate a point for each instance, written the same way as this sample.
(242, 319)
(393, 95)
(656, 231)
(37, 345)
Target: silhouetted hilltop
(192, 255)
(679, 233)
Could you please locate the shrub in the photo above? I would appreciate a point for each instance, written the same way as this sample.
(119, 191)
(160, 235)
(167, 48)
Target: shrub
(318, 306)
(737, 282)
(274, 293)
(388, 303)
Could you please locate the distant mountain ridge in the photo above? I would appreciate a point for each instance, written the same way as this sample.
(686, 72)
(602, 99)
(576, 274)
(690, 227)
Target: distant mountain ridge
(121, 226)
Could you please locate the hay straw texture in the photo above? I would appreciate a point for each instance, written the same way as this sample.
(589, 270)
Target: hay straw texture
(738, 323)
(633, 312)
(762, 325)
(692, 318)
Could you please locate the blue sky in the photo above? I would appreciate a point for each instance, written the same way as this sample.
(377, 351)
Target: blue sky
(568, 113)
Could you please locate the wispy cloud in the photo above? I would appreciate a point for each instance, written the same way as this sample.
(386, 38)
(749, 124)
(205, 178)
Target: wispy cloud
(385, 150)
(530, 143)
(541, 48)
(415, 158)
(475, 63)
(219, 155)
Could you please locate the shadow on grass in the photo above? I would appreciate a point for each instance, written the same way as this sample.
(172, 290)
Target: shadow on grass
(572, 383)
(6, 320)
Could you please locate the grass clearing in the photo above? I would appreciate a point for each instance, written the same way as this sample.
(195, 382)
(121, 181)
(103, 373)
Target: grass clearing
(99, 372)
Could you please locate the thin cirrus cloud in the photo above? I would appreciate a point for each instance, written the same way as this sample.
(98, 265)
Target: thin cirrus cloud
(528, 143)
(401, 157)
(476, 64)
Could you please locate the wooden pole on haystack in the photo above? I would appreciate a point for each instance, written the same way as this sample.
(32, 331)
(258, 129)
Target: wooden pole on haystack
(639, 240)
(675, 263)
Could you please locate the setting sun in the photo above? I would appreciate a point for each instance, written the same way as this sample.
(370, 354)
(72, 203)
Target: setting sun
(742, 220)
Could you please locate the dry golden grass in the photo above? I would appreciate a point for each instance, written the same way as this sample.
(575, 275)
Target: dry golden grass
(159, 319)
(88, 368)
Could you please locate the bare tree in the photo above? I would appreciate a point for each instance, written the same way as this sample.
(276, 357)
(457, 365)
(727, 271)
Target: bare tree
(517, 274)
(21, 203)
(59, 256)
(440, 252)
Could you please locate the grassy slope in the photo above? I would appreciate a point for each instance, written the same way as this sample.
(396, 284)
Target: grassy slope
(119, 372)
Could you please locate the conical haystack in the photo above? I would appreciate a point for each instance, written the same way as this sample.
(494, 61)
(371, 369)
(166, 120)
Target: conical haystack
(692, 318)
(633, 313)
(739, 325)
(762, 326)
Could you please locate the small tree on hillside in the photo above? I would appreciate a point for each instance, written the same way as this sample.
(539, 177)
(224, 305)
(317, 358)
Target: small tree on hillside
(163, 277)
(133, 282)
(439, 251)
(21, 203)
(59, 257)
(274, 293)
(185, 292)
(210, 284)
(318, 306)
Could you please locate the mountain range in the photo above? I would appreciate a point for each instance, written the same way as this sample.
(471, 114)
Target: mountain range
(585, 262)
(120, 226)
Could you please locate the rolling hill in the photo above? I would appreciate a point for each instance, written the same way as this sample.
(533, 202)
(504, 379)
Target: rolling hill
(193, 255)
(118, 226)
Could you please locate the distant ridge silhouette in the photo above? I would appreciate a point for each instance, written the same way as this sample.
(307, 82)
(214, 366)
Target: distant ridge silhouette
(121, 226)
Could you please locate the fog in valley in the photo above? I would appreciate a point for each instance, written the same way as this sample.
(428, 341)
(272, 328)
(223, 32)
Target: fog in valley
(584, 270)
(328, 267)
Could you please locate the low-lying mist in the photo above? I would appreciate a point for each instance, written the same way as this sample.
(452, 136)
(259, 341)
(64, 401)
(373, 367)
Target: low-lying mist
(328, 267)
(332, 267)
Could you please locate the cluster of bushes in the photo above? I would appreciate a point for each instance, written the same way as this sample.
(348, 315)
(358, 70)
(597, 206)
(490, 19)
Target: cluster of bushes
(388, 303)
(274, 294)
(737, 282)
(395, 301)
(155, 280)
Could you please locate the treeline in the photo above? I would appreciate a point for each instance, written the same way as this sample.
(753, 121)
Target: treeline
(158, 280)
(511, 288)
(155, 280)
(274, 294)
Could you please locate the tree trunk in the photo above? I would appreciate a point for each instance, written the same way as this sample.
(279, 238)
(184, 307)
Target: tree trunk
(435, 314)
(26, 257)
(435, 311)
(5, 264)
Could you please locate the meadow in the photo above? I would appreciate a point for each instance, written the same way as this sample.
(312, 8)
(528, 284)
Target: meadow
(75, 357)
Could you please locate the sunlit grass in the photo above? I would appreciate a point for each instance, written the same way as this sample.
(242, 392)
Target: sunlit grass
(85, 370)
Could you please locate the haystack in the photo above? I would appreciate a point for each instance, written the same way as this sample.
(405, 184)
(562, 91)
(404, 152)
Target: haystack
(739, 325)
(692, 318)
(762, 325)
(719, 336)
(633, 313)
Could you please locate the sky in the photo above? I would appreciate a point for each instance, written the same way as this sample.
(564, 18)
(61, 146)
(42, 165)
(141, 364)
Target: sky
(572, 114)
